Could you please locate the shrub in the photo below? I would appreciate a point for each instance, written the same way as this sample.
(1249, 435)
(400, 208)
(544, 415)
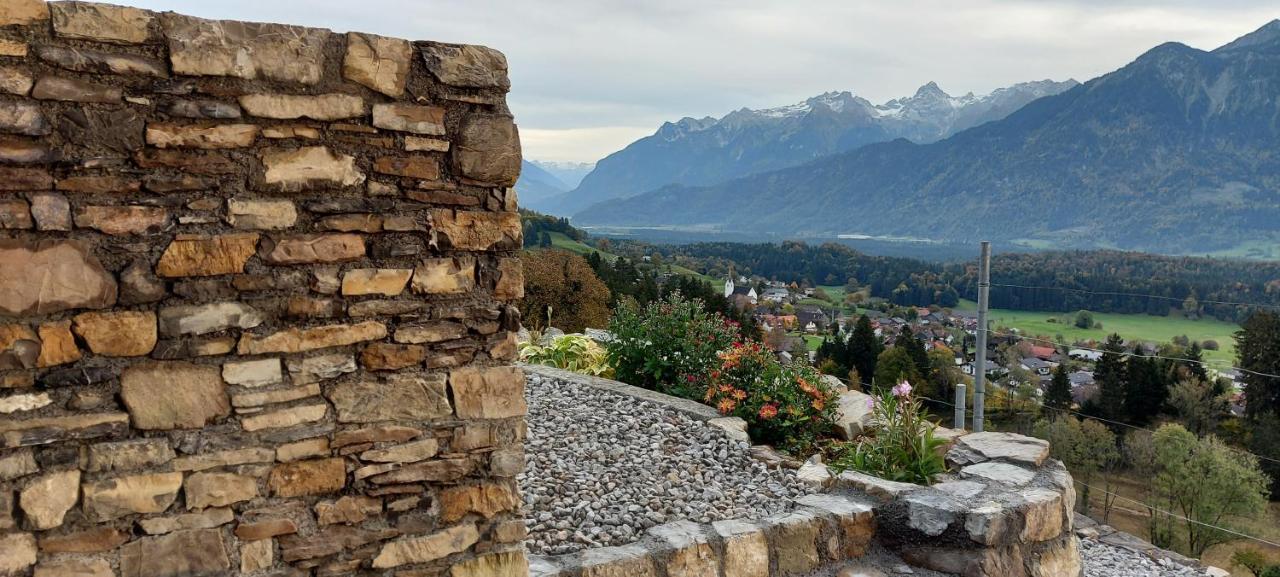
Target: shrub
(561, 290)
(786, 406)
(903, 448)
(575, 353)
(670, 345)
(1210, 345)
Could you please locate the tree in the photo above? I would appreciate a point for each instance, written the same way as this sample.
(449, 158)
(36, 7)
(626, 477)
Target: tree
(1140, 456)
(1086, 447)
(1258, 352)
(943, 374)
(894, 366)
(1109, 374)
(1084, 319)
(1197, 405)
(1207, 483)
(915, 348)
(1058, 395)
(1146, 390)
(864, 348)
(561, 290)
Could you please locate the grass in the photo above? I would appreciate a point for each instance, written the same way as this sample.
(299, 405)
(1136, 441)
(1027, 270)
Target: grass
(1130, 326)
(562, 242)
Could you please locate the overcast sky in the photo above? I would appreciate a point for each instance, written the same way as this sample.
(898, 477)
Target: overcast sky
(590, 76)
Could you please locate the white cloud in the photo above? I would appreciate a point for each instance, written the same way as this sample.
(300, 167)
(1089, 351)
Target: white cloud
(587, 73)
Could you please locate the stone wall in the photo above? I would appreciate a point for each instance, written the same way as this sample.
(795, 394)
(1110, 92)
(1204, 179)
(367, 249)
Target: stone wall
(255, 300)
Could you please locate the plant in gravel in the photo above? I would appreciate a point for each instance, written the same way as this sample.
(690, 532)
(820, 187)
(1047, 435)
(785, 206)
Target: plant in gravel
(786, 406)
(576, 353)
(669, 345)
(903, 447)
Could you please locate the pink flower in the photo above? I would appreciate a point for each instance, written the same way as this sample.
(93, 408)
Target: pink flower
(871, 403)
(902, 389)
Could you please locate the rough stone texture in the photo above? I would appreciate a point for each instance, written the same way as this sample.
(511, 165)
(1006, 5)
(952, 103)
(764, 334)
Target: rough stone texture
(981, 447)
(378, 62)
(178, 554)
(247, 50)
(100, 22)
(173, 395)
(467, 65)
(117, 333)
(492, 393)
(47, 277)
(206, 256)
(400, 397)
(46, 500)
(488, 149)
(289, 106)
(309, 168)
(19, 549)
(122, 496)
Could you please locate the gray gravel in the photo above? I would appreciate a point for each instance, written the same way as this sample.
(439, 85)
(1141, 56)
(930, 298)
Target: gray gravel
(603, 467)
(1103, 560)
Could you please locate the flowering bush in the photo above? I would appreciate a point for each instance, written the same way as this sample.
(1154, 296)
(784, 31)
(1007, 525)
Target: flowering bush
(903, 448)
(575, 353)
(670, 345)
(784, 405)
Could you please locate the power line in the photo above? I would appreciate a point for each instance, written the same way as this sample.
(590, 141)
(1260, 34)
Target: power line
(1177, 516)
(1129, 354)
(1137, 295)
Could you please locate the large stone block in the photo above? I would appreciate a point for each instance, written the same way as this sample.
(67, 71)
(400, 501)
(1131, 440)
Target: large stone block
(445, 276)
(173, 395)
(309, 168)
(478, 231)
(795, 542)
(407, 117)
(314, 477)
(296, 340)
(502, 564)
(100, 22)
(24, 118)
(746, 551)
(44, 430)
(427, 548)
(122, 220)
(467, 65)
(691, 551)
(488, 149)
(169, 135)
(261, 214)
(47, 277)
(379, 281)
(74, 568)
(991, 446)
(289, 106)
(117, 333)
(855, 519)
(94, 61)
(193, 255)
(123, 496)
(23, 12)
(195, 553)
(488, 392)
(17, 550)
(210, 318)
(485, 499)
(313, 248)
(625, 561)
(399, 397)
(284, 418)
(129, 455)
(46, 499)
(218, 489)
(247, 50)
(377, 62)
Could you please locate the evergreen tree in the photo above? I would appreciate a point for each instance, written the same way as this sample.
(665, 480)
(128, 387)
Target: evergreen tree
(896, 365)
(915, 349)
(1058, 395)
(1258, 351)
(1110, 376)
(1146, 390)
(864, 348)
(1195, 362)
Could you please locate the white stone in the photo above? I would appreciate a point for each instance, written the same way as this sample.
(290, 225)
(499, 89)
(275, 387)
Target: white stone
(255, 373)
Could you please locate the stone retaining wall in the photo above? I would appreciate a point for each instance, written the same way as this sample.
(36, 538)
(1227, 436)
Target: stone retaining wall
(255, 300)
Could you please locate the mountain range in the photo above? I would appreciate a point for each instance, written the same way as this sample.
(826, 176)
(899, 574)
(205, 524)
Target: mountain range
(1175, 152)
(709, 150)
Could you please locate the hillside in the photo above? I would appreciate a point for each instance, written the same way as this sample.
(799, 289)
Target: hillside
(1175, 152)
(710, 150)
(536, 183)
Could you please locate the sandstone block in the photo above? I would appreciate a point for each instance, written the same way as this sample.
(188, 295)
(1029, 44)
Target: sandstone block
(30, 402)
(348, 510)
(315, 477)
(23, 12)
(117, 333)
(484, 499)
(94, 61)
(510, 283)
(95, 540)
(488, 149)
(199, 552)
(406, 453)
(266, 529)
(247, 50)
(123, 496)
(173, 395)
(467, 65)
(74, 90)
(284, 418)
(369, 435)
(15, 464)
(23, 118)
(420, 144)
(313, 248)
(51, 276)
(255, 373)
(377, 62)
(309, 168)
(288, 452)
(13, 48)
(227, 458)
(445, 276)
(245, 400)
(297, 131)
(746, 551)
(625, 561)
(794, 537)
(1043, 515)
(367, 281)
(122, 220)
(691, 555)
(17, 550)
(296, 340)
(207, 255)
(57, 345)
(399, 397)
(855, 519)
(1011, 475)
(128, 455)
(74, 567)
(321, 368)
(991, 446)
(478, 231)
(427, 548)
(100, 22)
(47, 498)
(40, 431)
(488, 392)
(261, 214)
(288, 106)
(19, 178)
(413, 118)
(205, 519)
(51, 211)
(168, 135)
(391, 357)
(219, 489)
(501, 564)
(210, 318)
(256, 556)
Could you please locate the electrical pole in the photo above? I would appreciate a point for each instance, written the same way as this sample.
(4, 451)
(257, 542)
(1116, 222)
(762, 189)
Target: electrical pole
(959, 416)
(980, 366)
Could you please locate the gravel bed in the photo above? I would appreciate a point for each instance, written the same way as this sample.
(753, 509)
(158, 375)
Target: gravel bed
(1103, 560)
(603, 467)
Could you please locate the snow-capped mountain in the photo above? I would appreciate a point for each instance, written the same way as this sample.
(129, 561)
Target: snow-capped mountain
(570, 173)
(709, 150)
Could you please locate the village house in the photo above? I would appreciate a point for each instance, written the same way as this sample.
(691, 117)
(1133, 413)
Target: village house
(732, 290)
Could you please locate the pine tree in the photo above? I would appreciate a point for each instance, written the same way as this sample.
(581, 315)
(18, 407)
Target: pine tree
(864, 347)
(1110, 376)
(915, 348)
(1058, 395)
(1146, 390)
(1258, 351)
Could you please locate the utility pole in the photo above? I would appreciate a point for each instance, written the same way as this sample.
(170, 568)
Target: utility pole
(980, 366)
(959, 404)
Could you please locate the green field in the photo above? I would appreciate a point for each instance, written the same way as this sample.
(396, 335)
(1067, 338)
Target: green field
(562, 242)
(1130, 326)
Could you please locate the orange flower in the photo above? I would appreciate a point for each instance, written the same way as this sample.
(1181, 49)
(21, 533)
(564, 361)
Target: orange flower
(818, 404)
(739, 394)
(768, 412)
(725, 406)
(711, 394)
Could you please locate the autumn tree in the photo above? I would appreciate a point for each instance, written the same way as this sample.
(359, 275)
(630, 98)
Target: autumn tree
(562, 291)
(896, 365)
(1086, 447)
(1058, 395)
(1197, 405)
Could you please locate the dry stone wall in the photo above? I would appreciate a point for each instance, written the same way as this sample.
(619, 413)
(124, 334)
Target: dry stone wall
(256, 288)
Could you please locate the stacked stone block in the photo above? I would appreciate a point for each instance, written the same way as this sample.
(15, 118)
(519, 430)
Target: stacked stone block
(256, 287)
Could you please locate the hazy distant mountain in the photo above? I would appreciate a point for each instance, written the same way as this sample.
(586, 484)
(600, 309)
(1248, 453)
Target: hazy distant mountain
(570, 173)
(536, 184)
(709, 150)
(1179, 151)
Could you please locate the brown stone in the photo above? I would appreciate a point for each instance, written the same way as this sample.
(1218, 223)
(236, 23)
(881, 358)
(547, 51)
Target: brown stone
(296, 340)
(427, 548)
(15, 48)
(261, 214)
(256, 556)
(467, 65)
(204, 109)
(438, 471)
(13, 80)
(348, 510)
(315, 477)
(266, 529)
(488, 149)
(208, 318)
(204, 519)
(419, 144)
(40, 431)
(94, 540)
(23, 118)
(173, 395)
(118, 333)
(74, 567)
(275, 396)
(484, 499)
(379, 281)
(422, 167)
(51, 276)
(23, 12)
(122, 496)
(196, 162)
(128, 455)
(51, 211)
(399, 397)
(17, 550)
(100, 22)
(207, 255)
(308, 168)
(218, 489)
(746, 552)
(247, 50)
(331, 540)
(98, 184)
(18, 178)
(391, 357)
(352, 223)
(510, 285)
(194, 553)
(289, 106)
(297, 131)
(168, 135)
(625, 561)
(283, 418)
(430, 332)
(378, 62)
(478, 231)
(500, 564)
(447, 276)
(488, 393)
(406, 453)
(74, 90)
(307, 307)
(46, 499)
(227, 458)
(122, 220)
(94, 61)
(16, 464)
(313, 248)
(15, 214)
(320, 368)
(413, 118)
(369, 435)
(317, 447)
